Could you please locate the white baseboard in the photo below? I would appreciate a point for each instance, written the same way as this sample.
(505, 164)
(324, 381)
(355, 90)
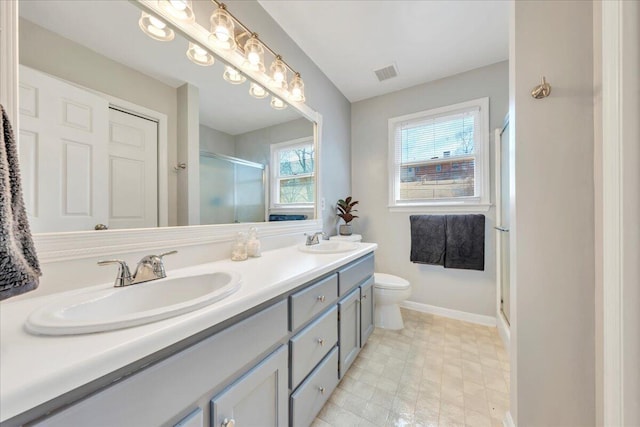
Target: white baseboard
(452, 314)
(508, 421)
(504, 331)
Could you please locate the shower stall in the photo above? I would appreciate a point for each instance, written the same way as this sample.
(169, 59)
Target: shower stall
(231, 190)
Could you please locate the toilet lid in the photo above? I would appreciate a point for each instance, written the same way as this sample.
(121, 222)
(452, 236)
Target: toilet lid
(389, 281)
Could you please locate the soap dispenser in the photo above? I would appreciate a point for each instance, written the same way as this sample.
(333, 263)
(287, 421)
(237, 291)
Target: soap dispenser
(253, 244)
(239, 249)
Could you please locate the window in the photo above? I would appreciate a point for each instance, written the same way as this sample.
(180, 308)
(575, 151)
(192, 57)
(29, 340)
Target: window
(293, 174)
(440, 158)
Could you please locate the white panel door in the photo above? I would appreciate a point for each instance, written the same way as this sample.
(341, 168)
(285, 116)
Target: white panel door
(133, 171)
(63, 153)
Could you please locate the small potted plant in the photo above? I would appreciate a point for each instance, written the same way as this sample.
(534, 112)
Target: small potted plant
(345, 207)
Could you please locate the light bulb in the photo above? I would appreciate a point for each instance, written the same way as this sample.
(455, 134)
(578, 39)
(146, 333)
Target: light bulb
(296, 92)
(157, 23)
(222, 33)
(178, 4)
(155, 28)
(233, 76)
(278, 77)
(253, 58)
(199, 56)
(278, 103)
(257, 91)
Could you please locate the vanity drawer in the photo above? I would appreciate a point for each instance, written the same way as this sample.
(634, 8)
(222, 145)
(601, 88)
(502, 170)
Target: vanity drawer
(311, 396)
(355, 273)
(312, 300)
(311, 345)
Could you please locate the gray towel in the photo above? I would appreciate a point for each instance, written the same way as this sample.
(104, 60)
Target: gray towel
(19, 266)
(465, 242)
(428, 239)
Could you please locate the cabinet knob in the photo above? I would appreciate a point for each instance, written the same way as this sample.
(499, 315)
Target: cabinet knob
(229, 422)
(321, 389)
(321, 298)
(320, 341)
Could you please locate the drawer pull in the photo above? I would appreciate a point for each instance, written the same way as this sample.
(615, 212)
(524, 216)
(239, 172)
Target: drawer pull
(321, 298)
(321, 390)
(229, 422)
(321, 342)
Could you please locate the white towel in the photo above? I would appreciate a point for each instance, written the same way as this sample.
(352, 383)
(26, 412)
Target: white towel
(19, 268)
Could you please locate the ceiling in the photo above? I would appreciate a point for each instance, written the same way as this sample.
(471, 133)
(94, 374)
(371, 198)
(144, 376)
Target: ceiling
(426, 40)
(111, 28)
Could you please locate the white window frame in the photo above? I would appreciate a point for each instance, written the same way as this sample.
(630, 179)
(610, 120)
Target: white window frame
(481, 201)
(275, 173)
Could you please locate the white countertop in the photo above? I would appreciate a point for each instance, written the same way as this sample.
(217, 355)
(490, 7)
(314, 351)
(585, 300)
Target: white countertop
(36, 369)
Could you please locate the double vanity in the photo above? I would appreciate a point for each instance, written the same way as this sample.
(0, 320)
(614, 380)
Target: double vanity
(268, 353)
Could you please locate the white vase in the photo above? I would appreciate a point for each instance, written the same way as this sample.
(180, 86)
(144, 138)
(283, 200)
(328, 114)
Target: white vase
(345, 229)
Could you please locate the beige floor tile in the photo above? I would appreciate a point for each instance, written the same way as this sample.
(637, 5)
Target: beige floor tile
(435, 372)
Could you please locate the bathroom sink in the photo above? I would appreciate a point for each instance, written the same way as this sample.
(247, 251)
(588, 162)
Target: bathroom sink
(102, 309)
(330, 247)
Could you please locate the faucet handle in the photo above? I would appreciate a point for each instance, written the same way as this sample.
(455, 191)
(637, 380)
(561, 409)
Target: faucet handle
(167, 253)
(124, 274)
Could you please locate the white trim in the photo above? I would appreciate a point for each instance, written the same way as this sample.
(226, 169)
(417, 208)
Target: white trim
(9, 60)
(507, 421)
(479, 319)
(442, 208)
(481, 155)
(613, 383)
(504, 331)
(54, 247)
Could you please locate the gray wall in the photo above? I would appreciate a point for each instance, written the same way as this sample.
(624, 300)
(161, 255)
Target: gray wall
(215, 141)
(464, 290)
(553, 321)
(322, 96)
(48, 52)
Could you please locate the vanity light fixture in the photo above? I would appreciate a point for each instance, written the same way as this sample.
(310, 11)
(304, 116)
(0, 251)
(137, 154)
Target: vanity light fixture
(257, 91)
(254, 54)
(222, 28)
(297, 89)
(278, 73)
(277, 103)
(199, 56)
(155, 28)
(180, 9)
(233, 76)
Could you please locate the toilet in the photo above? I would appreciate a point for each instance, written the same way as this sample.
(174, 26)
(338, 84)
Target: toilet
(388, 292)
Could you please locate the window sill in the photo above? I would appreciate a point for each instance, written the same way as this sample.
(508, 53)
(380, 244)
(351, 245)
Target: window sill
(441, 208)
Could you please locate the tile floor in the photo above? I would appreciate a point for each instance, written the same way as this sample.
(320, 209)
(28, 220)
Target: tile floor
(435, 372)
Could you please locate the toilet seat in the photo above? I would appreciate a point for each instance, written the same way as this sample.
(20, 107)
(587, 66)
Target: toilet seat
(389, 281)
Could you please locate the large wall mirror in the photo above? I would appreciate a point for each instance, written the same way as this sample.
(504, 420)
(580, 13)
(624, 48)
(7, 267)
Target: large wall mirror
(120, 131)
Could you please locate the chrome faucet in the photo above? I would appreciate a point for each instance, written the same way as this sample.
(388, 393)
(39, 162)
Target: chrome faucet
(150, 267)
(313, 239)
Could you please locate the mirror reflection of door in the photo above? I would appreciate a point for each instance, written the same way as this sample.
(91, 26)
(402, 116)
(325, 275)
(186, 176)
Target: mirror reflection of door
(83, 163)
(504, 223)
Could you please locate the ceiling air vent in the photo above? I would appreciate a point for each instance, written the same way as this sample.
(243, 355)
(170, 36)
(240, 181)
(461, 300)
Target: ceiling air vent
(386, 73)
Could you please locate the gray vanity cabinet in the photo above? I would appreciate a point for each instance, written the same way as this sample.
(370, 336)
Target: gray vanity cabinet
(366, 311)
(259, 398)
(349, 336)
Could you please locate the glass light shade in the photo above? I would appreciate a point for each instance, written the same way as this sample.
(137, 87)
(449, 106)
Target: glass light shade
(222, 29)
(296, 89)
(257, 91)
(155, 28)
(233, 76)
(278, 103)
(199, 56)
(179, 9)
(254, 54)
(278, 73)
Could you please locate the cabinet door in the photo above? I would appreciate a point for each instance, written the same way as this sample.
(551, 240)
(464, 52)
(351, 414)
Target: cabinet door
(349, 337)
(366, 310)
(258, 399)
